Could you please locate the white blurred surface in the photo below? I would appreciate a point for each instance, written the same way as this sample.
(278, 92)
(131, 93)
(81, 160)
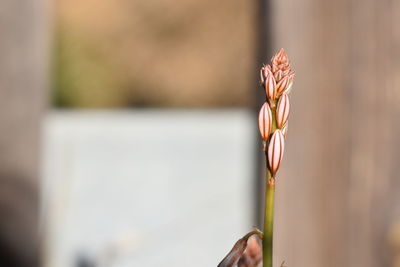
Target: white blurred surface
(146, 188)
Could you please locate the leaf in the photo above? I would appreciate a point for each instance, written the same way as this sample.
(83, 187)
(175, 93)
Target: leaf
(238, 249)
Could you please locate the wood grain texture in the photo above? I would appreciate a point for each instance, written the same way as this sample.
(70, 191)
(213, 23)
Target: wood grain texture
(337, 192)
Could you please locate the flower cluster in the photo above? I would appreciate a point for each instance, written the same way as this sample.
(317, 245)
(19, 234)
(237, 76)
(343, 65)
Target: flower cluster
(277, 80)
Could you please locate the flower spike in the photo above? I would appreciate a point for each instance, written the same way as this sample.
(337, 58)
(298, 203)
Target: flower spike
(276, 79)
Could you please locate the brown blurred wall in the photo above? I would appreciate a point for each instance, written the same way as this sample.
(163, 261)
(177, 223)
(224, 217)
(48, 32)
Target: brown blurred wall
(164, 53)
(22, 82)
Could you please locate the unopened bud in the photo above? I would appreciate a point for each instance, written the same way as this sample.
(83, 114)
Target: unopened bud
(286, 72)
(270, 84)
(282, 110)
(262, 75)
(265, 121)
(289, 86)
(274, 68)
(278, 75)
(282, 85)
(280, 58)
(254, 249)
(285, 129)
(275, 151)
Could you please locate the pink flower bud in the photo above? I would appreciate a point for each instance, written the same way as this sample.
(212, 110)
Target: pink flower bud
(275, 151)
(282, 85)
(262, 75)
(286, 72)
(280, 58)
(265, 121)
(282, 110)
(289, 86)
(285, 129)
(274, 68)
(278, 75)
(280, 62)
(270, 84)
(254, 250)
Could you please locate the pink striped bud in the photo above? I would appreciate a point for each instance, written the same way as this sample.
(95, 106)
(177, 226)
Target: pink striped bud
(265, 121)
(289, 86)
(281, 56)
(278, 75)
(282, 110)
(262, 75)
(285, 129)
(270, 84)
(274, 68)
(282, 85)
(264, 72)
(286, 72)
(275, 151)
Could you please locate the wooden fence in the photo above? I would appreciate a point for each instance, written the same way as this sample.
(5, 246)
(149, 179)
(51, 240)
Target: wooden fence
(339, 188)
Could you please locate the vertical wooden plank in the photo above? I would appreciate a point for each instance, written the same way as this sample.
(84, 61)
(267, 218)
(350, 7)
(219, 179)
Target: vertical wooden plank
(364, 116)
(338, 195)
(22, 83)
(312, 192)
(374, 124)
(391, 211)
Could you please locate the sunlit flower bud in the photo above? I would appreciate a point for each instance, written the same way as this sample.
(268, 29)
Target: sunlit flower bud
(282, 85)
(280, 62)
(285, 129)
(274, 68)
(266, 70)
(265, 121)
(278, 75)
(284, 66)
(262, 75)
(270, 84)
(286, 72)
(280, 58)
(275, 151)
(282, 110)
(254, 249)
(289, 86)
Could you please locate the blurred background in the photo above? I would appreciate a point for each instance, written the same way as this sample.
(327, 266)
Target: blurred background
(129, 138)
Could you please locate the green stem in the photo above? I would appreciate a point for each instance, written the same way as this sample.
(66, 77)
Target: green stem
(267, 241)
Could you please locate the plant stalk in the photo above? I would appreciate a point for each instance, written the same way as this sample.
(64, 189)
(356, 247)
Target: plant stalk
(267, 242)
